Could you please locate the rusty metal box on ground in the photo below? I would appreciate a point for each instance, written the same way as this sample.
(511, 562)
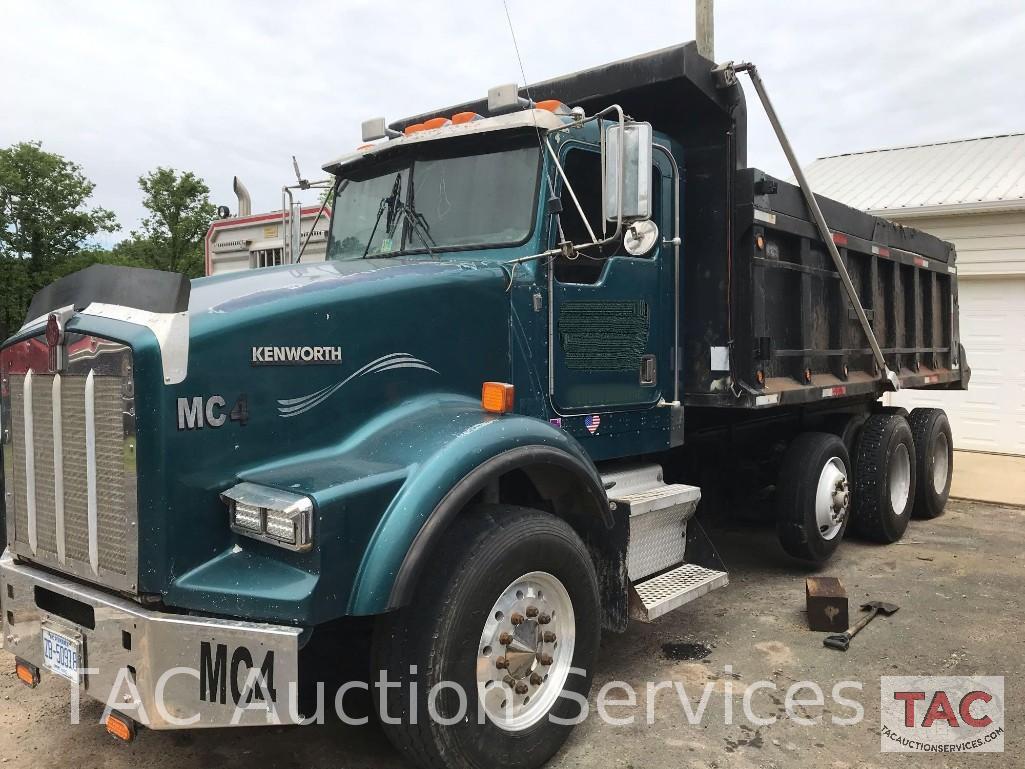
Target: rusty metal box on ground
(826, 600)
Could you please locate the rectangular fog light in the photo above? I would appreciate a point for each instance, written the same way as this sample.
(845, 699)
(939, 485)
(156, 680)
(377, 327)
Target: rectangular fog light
(280, 517)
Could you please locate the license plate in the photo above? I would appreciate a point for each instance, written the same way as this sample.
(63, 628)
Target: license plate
(62, 654)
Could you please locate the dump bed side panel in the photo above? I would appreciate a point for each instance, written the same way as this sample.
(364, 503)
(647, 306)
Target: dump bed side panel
(795, 336)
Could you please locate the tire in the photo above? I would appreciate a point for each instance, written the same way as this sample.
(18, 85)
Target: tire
(884, 478)
(934, 451)
(848, 428)
(490, 552)
(810, 525)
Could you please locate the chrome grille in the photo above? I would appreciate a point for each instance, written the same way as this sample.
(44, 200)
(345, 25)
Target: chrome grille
(69, 453)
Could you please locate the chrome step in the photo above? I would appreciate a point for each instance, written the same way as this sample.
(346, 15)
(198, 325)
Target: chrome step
(670, 590)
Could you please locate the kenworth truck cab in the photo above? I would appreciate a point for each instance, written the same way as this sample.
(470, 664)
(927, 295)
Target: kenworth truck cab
(545, 322)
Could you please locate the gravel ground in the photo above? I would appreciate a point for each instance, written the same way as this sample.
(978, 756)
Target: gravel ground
(958, 580)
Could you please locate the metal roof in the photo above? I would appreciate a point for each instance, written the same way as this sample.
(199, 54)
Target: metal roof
(968, 175)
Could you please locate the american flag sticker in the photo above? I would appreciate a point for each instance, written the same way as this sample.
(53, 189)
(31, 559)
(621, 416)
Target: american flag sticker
(592, 422)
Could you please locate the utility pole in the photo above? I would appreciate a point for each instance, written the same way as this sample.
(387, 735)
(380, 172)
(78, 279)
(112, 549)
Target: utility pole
(704, 24)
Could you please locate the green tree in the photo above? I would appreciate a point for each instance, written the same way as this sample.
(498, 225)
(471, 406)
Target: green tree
(44, 223)
(171, 237)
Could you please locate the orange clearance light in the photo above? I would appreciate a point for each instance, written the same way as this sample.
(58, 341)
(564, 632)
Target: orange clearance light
(553, 105)
(412, 129)
(465, 117)
(436, 122)
(362, 147)
(497, 397)
(28, 674)
(120, 727)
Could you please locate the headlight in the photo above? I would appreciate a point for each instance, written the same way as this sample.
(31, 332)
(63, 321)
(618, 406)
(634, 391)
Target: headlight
(279, 517)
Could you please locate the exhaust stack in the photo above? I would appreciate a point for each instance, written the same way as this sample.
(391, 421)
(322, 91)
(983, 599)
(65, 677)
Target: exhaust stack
(245, 203)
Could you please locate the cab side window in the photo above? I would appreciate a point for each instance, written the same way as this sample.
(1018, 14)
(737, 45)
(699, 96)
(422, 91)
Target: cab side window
(583, 169)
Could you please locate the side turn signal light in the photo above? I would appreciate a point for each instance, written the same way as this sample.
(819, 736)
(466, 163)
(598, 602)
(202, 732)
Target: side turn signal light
(497, 397)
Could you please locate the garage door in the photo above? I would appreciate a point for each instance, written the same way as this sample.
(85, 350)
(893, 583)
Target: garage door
(990, 416)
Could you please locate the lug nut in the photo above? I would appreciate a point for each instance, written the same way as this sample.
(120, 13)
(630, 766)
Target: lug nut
(509, 681)
(521, 688)
(516, 618)
(549, 637)
(544, 619)
(532, 611)
(535, 679)
(501, 663)
(505, 639)
(544, 659)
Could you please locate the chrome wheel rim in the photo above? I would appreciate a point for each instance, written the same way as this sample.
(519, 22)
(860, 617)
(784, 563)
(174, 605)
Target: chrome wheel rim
(832, 498)
(940, 463)
(525, 651)
(899, 473)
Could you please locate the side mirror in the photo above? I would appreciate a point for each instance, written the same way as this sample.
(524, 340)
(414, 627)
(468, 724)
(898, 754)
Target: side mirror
(634, 142)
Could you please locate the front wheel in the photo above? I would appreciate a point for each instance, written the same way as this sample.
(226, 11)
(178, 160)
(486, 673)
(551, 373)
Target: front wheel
(504, 630)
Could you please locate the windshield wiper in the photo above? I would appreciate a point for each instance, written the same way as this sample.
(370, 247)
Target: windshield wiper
(392, 202)
(418, 224)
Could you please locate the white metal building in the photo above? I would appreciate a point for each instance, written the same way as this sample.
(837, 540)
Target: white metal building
(972, 193)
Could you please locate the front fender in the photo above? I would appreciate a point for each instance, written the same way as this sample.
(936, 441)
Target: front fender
(382, 498)
(470, 448)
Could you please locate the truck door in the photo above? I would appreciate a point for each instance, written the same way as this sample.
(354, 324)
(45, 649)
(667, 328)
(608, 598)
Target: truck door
(611, 314)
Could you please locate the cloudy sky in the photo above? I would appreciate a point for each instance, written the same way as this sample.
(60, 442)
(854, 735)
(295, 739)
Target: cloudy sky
(224, 88)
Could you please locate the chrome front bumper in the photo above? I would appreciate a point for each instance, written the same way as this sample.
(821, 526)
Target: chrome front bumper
(187, 671)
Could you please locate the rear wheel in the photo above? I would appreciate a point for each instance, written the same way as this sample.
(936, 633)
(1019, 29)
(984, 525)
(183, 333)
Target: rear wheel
(813, 496)
(934, 452)
(504, 614)
(884, 478)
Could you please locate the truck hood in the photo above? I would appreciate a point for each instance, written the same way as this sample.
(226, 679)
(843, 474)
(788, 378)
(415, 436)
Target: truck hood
(289, 364)
(238, 290)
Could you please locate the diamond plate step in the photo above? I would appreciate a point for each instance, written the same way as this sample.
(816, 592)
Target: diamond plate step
(641, 490)
(672, 589)
(650, 500)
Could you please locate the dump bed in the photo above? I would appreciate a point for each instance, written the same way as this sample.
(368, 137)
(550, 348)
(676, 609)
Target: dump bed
(794, 334)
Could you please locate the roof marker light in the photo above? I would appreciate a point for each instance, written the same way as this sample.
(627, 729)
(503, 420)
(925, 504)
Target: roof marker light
(553, 105)
(465, 117)
(415, 128)
(437, 122)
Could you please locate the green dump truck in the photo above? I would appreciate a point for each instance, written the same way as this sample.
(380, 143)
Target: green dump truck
(547, 320)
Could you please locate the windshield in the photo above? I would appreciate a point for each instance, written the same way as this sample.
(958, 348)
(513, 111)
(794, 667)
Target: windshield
(430, 201)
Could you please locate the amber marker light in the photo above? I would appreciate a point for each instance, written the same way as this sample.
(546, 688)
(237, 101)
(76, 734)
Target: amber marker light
(497, 397)
(465, 117)
(553, 105)
(120, 727)
(27, 674)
